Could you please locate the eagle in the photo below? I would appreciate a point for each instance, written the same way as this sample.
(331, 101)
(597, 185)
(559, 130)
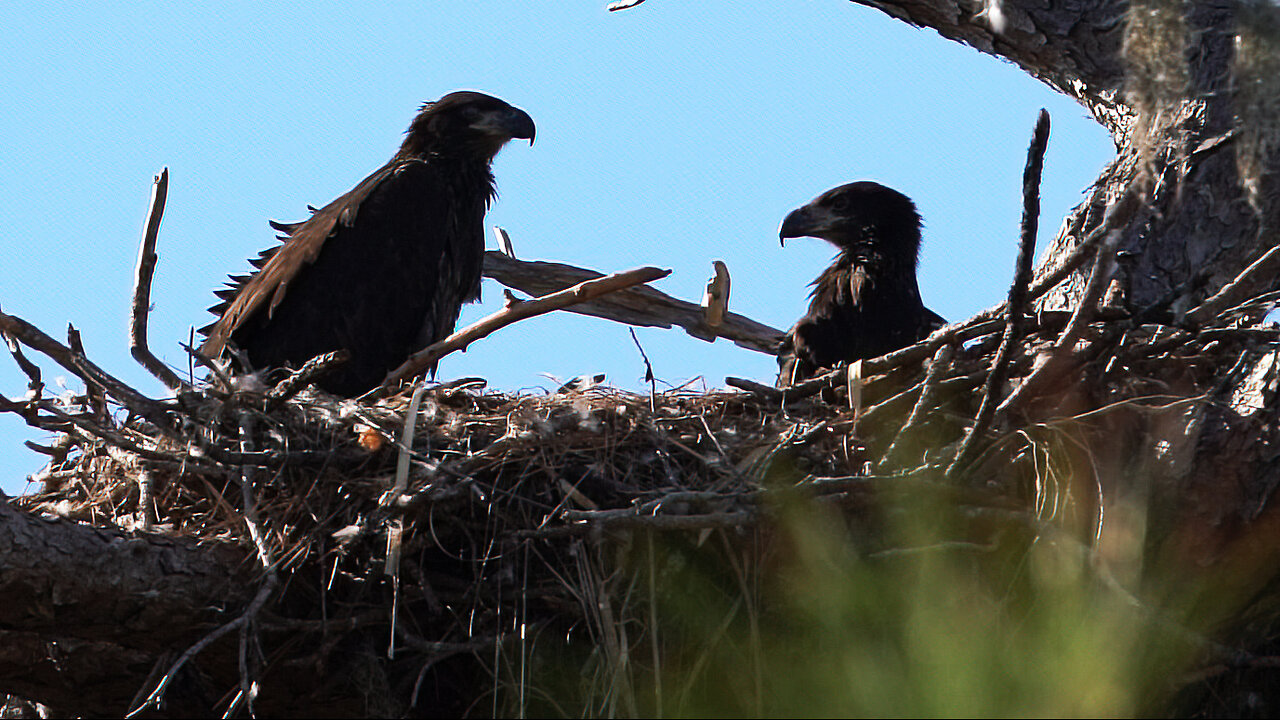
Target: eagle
(867, 303)
(383, 270)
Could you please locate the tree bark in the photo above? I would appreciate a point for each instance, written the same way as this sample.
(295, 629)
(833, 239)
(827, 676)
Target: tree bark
(1166, 79)
(88, 612)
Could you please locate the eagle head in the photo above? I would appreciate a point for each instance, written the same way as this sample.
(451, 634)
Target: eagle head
(466, 122)
(860, 215)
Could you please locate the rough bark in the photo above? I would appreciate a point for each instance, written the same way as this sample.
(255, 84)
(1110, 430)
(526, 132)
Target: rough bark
(89, 612)
(1164, 78)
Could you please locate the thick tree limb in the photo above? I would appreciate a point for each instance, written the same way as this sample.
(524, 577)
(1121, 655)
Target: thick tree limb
(640, 306)
(582, 292)
(112, 602)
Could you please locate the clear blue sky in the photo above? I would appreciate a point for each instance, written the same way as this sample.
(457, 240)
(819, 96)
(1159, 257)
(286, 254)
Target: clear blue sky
(671, 134)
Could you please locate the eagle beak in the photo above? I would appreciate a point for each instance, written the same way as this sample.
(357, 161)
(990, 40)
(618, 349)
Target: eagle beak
(520, 125)
(798, 223)
(511, 122)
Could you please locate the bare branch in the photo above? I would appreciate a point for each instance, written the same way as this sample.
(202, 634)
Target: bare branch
(1117, 218)
(640, 306)
(91, 374)
(142, 288)
(1017, 294)
(35, 383)
(1237, 289)
(97, 400)
(941, 362)
(316, 367)
(582, 292)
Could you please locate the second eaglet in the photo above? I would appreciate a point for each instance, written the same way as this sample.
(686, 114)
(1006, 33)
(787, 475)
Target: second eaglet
(867, 303)
(383, 270)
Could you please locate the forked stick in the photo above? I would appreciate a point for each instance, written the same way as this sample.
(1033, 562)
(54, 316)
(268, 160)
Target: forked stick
(142, 288)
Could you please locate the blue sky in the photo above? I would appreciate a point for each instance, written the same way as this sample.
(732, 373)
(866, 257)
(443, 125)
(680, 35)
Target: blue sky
(671, 134)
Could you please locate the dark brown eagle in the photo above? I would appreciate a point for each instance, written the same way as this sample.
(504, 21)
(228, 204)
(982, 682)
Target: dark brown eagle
(867, 303)
(383, 270)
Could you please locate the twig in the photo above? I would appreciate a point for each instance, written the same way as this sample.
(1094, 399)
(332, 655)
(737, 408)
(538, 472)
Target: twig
(247, 472)
(311, 370)
(142, 288)
(34, 382)
(1114, 223)
(630, 519)
(1017, 296)
(82, 367)
(648, 372)
(153, 700)
(958, 333)
(101, 432)
(582, 292)
(97, 399)
(1234, 290)
(209, 364)
(940, 362)
(617, 5)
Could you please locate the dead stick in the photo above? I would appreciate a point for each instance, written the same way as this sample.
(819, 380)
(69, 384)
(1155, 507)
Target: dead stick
(639, 306)
(1114, 223)
(34, 338)
(142, 288)
(958, 333)
(582, 292)
(97, 400)
(1235, 289)
(316, 367)
(35, 384)
(153, 699)
(1017, 295)
(941, 361)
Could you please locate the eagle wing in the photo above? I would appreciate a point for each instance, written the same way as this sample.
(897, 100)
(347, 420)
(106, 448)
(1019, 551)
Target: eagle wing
(279, 266)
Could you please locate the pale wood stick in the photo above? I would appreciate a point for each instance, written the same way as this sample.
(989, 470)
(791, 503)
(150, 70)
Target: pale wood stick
(142, 288)
(639, 306)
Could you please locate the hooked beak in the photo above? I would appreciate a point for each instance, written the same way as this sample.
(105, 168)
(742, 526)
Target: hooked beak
(798, 223)
(511, 123)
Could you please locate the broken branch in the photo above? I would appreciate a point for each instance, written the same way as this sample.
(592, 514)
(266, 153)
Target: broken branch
(142, 288)
(1017, 294)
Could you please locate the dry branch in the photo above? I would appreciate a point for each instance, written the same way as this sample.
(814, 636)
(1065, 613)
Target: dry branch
(584, 291)
(1017, 301)
(1118, 216)
(641, 306)
(142, 288)
(91, 374)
